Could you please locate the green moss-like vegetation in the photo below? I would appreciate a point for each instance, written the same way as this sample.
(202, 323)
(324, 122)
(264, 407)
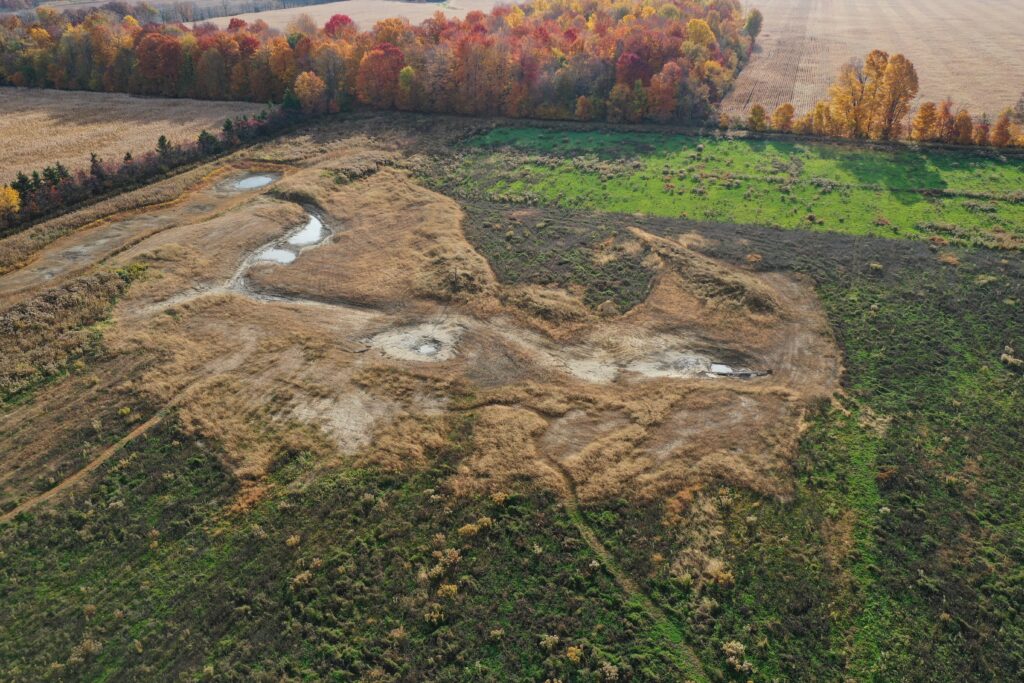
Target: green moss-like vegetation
(557, 248)
(340, 576)
(972, 197)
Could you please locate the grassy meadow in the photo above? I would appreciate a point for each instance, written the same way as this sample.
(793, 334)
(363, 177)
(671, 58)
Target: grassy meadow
(960, 197)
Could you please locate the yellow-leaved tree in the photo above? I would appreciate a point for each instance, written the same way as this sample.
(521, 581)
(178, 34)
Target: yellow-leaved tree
(897, 88)
(10, 203)
(923, 128)
(310, 89)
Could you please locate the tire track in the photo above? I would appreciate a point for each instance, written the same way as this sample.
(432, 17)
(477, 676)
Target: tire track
(664, 626)
(219, 368)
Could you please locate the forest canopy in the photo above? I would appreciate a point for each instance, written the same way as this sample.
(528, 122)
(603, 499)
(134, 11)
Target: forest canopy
(663, 60)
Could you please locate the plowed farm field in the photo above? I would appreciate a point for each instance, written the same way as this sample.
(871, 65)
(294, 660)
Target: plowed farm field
(365, 12)
(54, 125)
(969, 51)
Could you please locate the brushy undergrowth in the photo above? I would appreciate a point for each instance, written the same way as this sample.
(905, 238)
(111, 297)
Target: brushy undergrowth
(43, 336)
(355, 575)
(897, 557)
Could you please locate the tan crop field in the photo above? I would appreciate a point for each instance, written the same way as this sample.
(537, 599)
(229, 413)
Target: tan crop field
(41, 127)
(969, 51)
(365, 12)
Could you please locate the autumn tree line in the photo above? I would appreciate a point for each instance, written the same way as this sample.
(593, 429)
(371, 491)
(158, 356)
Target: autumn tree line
(871, 100)
(616, 60)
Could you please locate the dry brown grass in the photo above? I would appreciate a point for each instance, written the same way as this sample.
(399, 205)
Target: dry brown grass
(43, 127)
(399, 244)
(969, 51)
(311, 355)
(16, 249)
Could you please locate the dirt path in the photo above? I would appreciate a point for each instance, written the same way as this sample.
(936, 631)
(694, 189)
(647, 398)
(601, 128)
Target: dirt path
(664, 626)
(225, 365)
(81, 474)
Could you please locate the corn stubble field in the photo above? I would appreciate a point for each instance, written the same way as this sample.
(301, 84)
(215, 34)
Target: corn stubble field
(42, 127)
(969, 51)
(364, 12)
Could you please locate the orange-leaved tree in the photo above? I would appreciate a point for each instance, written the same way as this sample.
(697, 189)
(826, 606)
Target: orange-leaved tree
(1002, 131)
(782, 118)
(377, 79)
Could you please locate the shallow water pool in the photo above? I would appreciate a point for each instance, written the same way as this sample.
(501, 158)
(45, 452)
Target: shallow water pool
(311, 233)
(276, 255)
(254, 181)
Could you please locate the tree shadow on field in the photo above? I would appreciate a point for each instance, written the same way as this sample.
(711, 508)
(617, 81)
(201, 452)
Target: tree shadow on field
(904, 174)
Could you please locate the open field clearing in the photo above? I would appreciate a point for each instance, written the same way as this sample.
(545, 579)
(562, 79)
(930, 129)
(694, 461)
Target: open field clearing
(365, 12)
(43, 127)
(957, 196)
(969, 51)
(358, 405)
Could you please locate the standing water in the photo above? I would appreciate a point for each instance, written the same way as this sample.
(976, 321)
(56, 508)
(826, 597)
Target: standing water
(254, 181)
(276, 255)
(311, 233)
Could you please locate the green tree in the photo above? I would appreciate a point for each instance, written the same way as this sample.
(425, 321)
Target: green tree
(754, 22)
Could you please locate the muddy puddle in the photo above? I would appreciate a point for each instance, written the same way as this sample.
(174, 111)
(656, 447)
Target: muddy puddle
(254, 182)
(426, 342)
(276, 255)
(310, 234)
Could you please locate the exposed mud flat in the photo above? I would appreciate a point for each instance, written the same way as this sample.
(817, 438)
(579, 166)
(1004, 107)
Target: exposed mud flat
(427, 342)
(97, 242)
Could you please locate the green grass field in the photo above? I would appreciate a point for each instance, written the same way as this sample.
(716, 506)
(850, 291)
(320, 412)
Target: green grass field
(962, 197)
